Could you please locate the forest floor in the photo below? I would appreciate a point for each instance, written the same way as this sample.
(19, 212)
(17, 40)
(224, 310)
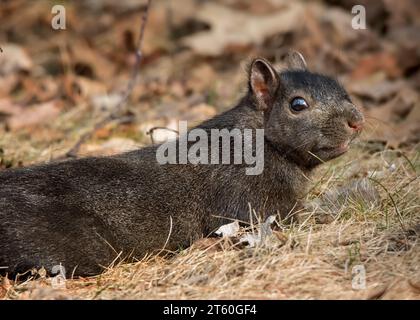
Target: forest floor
(310, 260)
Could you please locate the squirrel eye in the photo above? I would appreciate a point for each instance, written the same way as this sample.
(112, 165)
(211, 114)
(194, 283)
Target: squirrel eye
(298, 104)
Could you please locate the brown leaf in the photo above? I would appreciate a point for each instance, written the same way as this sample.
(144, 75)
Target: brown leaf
(402, 288)
(200, 112)
(376, 293)
(89, 62)
(375, 88)
(8, 107)
(414, 285)
(201, 78)
(13, 59)
(382, 61)
(7, 83)
(397, 122)
(236, 29)
(34, 115)
(110, 147)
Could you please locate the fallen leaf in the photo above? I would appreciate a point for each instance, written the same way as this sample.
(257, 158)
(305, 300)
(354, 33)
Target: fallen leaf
(376, 89)
(110, 147)
(235, 29)
(376, 293)
(382, 61)
(251, 239)
(201, 78)
(7, 83)
(13, 59)
(160, 131)
(228, 230)
(105, 102)
(401, 287)
(254, 239)
(88, 62)
(386, 125)
(414, 285)
(118, 6)
(8, 108)
(34, 115)
(200, 112)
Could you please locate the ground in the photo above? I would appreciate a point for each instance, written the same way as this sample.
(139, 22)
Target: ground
(309, 260)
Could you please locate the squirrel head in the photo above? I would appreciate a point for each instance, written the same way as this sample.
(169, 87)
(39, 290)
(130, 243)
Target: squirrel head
(308, 117)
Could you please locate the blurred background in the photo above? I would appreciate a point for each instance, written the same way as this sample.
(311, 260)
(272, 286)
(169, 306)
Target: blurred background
(56, 84)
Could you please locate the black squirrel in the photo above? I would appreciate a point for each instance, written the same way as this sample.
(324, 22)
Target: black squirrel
(82, 213)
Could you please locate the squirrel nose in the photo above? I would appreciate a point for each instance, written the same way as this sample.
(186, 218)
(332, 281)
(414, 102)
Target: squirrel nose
(355, 118)
(355, 125)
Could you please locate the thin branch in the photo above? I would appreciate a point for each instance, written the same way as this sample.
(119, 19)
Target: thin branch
(150, 132)
(169, 235)
(122, 103)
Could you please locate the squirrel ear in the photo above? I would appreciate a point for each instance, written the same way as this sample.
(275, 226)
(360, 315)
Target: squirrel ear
(263, 80)
(294, 60)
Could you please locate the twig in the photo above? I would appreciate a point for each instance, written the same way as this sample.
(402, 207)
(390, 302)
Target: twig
(121, 104)
(169, 235)
(150, 132)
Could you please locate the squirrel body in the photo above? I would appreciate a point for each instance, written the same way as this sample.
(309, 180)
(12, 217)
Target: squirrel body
(83, 213)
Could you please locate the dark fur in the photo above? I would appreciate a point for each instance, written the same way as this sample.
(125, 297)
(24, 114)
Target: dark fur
(82, 213)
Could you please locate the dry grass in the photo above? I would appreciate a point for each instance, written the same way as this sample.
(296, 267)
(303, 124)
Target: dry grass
(300, 261)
